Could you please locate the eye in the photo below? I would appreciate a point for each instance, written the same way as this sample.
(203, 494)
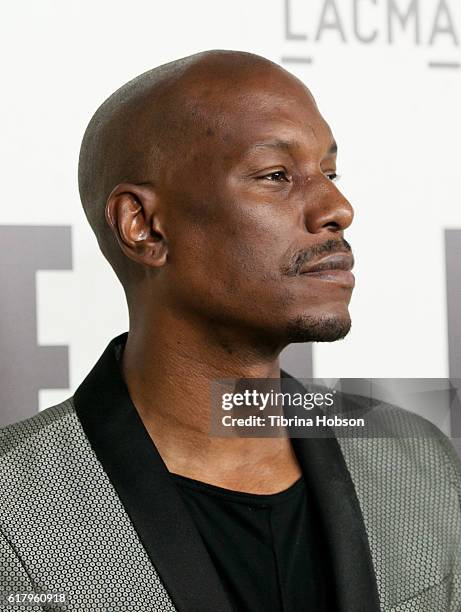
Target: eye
(333, 176)
(276, 177)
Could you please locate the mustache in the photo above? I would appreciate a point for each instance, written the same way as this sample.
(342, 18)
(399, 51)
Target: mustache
(298, 259)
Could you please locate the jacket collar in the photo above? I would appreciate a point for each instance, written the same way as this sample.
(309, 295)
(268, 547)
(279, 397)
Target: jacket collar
(166, 530)
(328, 478)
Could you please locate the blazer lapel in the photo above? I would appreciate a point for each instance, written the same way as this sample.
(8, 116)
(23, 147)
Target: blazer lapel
(145, 488)
(163, 524)
(328, 479)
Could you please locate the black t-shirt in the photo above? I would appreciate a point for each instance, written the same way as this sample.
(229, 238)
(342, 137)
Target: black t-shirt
(266, 549)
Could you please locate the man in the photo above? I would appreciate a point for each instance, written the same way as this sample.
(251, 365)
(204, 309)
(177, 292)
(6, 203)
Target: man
(209, 183)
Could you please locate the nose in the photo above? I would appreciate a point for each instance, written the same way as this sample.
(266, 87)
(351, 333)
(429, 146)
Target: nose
(326, 208)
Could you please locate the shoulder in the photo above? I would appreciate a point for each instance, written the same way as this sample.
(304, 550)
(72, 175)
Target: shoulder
(392, 437)
(43, 448)
(39, 432)
(48, 458)
(403, 450)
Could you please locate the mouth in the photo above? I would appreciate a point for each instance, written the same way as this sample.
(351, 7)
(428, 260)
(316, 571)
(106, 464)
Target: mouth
(334, 268)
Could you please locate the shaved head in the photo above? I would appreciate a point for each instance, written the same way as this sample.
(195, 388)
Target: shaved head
(150, 122)
(209, 183)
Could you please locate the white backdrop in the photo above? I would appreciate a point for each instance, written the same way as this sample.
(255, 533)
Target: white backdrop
(393, 104)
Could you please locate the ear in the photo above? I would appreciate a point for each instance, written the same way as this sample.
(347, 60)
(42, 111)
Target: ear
(132, 212)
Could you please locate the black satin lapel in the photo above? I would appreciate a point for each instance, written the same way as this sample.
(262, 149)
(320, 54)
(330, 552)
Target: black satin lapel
(328, 478)
(144, 486)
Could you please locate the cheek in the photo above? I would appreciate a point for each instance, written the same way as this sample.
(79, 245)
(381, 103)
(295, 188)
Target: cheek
(225, 270)
(228, 251)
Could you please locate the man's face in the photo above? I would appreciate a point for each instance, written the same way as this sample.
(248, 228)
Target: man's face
(251, 207)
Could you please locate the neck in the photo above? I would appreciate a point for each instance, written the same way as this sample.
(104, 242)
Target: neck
(168, 365)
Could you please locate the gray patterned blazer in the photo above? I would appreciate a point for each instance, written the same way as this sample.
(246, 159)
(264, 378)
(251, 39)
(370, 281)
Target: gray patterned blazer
(75, 519)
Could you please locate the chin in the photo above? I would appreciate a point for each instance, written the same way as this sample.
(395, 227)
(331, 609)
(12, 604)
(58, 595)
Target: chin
(318, 328)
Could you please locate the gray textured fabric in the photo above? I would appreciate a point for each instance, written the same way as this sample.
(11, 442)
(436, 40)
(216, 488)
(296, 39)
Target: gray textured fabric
(409, 490)
(63, 528)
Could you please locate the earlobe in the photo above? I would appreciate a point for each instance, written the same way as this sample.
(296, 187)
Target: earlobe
(133, 214)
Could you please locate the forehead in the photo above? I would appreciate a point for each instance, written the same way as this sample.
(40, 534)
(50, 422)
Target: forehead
(272, 108)
(281, 125)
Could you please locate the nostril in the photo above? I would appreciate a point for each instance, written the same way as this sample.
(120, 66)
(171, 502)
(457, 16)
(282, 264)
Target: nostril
(332, 225)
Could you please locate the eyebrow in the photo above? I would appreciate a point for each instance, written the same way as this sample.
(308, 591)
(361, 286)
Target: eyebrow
(287, 145)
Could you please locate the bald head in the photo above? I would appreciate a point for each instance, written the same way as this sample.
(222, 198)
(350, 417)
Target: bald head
(151, 121)
(209, 184)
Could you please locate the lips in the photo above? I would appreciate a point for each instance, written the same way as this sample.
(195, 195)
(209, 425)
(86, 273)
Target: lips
(334, 268)
(337, 261)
